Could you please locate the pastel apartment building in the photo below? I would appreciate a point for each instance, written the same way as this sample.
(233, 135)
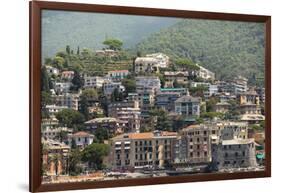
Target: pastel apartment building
(188, 106)
(118, 74)
(151, 63)
(180, 77)
(68, 100)
(81, 139)
(95, 81)
(138, 150)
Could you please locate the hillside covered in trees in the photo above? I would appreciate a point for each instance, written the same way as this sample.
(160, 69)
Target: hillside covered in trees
(227, 48)
(88, 30)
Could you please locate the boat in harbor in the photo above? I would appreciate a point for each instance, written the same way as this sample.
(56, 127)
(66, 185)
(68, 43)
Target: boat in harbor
(186, 171)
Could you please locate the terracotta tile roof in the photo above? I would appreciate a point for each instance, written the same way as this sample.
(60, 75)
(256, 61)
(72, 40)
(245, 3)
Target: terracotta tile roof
(191, 127)
(166, 133)
(145, 135)
(68, 72)
(81, 134)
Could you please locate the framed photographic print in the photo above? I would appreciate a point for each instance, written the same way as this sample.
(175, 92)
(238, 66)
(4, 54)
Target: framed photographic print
(126, 96)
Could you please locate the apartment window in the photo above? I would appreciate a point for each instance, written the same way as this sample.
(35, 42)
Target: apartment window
(127, 162)
(136, 156)
(205, 154)
(156, 147)
(243, 153)
(191, 140)
(150, 142)
(205, 138)
(198, 139)
(226, 155)
(140, 142)
(191, 154)
(191, 147)
(236, 154)
(136, 150)
(205, 132)
(127, 155)
(198, 154)
(198, 146)
(136, 143)
(226, 162)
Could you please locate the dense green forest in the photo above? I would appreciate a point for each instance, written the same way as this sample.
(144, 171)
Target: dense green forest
(88, 30)
(227, 48)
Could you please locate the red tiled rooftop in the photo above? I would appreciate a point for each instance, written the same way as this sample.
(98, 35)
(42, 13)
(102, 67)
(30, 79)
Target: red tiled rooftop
(81, 133)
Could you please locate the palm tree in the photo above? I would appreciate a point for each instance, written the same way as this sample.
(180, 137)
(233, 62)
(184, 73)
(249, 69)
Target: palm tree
(44, 151)
(56, 159)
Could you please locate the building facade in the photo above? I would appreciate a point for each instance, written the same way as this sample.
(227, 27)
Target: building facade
(68, 75)
(118, 75)
(81, 139)
(234, 153)
(110, 124)
(162, 59)
(146, 88)
(171, 78)
(67, 100)
(109, 87)
(198, 143)
(95, 81)
(62, 87)
(166, 100)
(188, 106)
(139, 150)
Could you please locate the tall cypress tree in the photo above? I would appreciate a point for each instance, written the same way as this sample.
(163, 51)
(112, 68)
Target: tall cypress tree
(45, 80)
(67, 49)
(77, 81)
(78, 50)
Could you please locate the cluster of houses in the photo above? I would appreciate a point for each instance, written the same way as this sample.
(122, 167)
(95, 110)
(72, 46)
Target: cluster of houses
(224, 144)
(221, 143)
